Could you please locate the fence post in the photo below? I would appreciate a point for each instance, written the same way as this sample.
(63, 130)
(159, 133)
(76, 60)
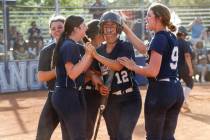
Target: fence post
(5, 29)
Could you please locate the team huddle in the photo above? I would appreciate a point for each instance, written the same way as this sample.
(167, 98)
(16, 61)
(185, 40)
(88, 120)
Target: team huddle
(76, 75)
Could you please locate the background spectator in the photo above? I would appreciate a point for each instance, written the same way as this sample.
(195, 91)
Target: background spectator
(97, 9)
(201, 60)
(33, 48)
(20, 42)
(34, 30)
(207, 39)
(12, 36)
(197, 30)
(21, 53)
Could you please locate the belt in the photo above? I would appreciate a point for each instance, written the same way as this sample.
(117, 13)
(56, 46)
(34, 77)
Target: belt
(167, 79)
(77, 88)
(121, 92)
(89, 88)
(164, 79)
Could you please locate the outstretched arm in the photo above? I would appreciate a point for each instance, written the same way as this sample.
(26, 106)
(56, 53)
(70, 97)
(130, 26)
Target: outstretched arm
(137, 43)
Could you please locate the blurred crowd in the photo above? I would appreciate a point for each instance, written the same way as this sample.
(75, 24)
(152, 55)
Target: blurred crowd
(198, 36)
(20, 48)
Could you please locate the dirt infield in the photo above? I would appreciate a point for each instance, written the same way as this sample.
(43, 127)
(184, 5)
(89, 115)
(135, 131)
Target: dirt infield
(19, 113)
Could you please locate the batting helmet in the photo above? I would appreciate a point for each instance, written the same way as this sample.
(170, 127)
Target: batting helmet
(183, 30)
(112, 17)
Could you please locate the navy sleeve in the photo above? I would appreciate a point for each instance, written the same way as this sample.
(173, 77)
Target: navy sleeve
(159, 43)
(187, 48)
(126, 50)
(69, 53)
(82, 50)
(45, 60)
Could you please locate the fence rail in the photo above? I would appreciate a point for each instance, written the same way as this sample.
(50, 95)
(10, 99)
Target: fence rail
(21, 17)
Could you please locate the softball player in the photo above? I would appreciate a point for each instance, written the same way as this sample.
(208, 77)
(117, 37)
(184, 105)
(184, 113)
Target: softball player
(124, 102)
(165, 94)
(91, 94)
(48, 118)
(185, 67)
(68, 98)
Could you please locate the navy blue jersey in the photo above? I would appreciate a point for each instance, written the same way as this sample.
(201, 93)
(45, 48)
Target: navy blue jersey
(70, 51)
(184, 47)
(165, 43)
(45, 62)
(123, 79)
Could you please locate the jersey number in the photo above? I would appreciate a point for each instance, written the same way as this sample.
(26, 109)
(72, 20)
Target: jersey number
(174, 58)
(122, 77)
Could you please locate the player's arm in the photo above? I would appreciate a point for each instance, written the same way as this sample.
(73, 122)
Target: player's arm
(137, 43)
(73, 71)
(44, 72)
(44, 76)
(112, 64)
(150, 70)
(189, 63)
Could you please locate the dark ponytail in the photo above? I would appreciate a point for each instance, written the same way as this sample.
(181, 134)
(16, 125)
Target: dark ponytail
(55, 56)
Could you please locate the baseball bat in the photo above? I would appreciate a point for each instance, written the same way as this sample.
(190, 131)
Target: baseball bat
(103, 103)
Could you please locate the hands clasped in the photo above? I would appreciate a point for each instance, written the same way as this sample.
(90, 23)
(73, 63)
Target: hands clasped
(128, 63)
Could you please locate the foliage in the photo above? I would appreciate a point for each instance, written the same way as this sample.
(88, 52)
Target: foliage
(116, 3)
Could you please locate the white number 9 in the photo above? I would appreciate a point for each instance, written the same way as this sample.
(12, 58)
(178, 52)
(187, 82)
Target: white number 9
(174, 58)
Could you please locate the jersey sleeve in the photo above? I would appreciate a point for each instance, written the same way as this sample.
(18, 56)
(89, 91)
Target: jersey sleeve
(159, 43)
(44, 60)
(187, 48)
(126, 50)
(69, 53)
(82, 50)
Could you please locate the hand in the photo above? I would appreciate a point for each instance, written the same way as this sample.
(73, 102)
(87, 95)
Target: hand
(96, 80)
(104, 90)
(128, 63)
(89, 48)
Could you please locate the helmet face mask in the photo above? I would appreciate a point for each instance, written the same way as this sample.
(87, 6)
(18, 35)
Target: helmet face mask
(109, 28)
(111, 17)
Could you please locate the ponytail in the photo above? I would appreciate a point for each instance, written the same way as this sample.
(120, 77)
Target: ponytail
(55, 56)
(171, 27)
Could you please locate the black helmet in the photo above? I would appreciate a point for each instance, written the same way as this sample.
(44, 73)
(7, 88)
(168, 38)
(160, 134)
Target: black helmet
(113, 17)
(182, 29)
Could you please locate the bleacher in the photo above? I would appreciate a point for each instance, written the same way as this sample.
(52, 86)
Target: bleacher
(21, 17)
(187, 14)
